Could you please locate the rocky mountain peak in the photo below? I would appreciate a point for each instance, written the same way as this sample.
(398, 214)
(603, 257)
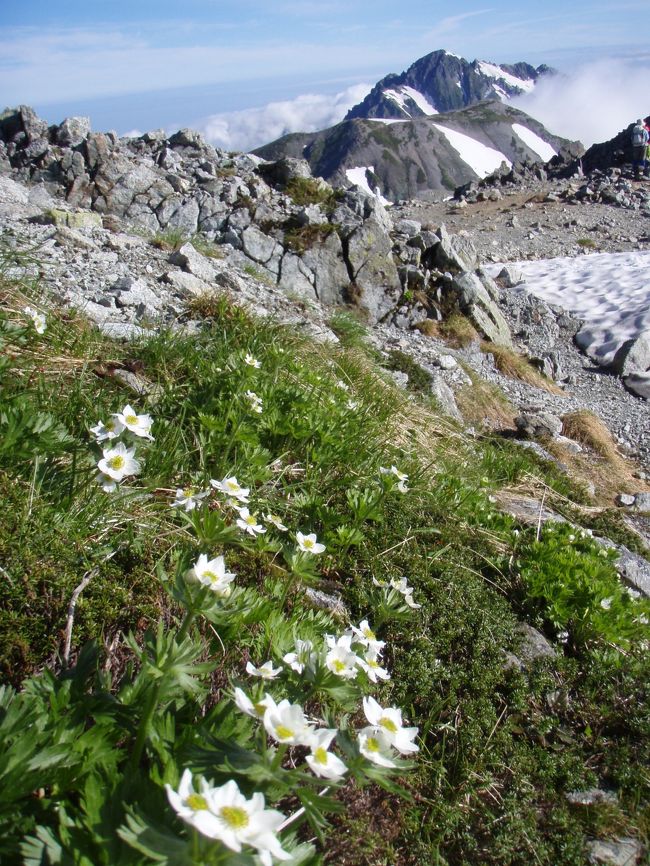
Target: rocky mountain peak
(440, 82)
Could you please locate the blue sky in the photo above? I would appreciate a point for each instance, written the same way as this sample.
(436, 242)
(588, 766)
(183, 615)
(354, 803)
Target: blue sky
(151, 63)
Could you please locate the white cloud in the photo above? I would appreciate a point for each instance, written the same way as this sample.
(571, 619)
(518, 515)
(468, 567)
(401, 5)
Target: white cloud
(245, 130)
(592, 104)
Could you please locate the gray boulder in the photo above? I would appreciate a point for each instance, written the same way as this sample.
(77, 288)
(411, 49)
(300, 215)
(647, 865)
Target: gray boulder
(188, 258)
(375, 282)
(639, 384)
(633, 356)
(72, 131)
(473, 299)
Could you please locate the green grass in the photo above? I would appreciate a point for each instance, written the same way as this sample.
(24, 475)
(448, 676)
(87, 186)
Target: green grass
(87, 750)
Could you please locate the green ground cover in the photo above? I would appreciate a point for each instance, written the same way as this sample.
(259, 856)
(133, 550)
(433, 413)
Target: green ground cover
(137, 690)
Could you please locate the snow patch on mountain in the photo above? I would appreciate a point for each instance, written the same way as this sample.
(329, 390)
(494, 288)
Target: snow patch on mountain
(542, 148)
(420, 100)
(359, 177)
(483, 160)
(490, 70)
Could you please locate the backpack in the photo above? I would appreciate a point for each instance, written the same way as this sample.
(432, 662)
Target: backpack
(639, 136)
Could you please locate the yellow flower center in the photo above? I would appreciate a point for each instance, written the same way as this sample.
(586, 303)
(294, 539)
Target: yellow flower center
(372, 744)
(260, 709)
(320, 755)
(235, 817)
(188, 492)
(308, 543)
(338, 665)
(250, 520)
(131, 419)
(211, 576)
(369, 633)
(389, 724)
(231, 486)
(116, 462)
(196, 802)
(283, 732)
(372, 663)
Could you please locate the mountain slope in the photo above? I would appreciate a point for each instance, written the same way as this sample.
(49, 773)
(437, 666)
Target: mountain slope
(441, 82)
(417, 157)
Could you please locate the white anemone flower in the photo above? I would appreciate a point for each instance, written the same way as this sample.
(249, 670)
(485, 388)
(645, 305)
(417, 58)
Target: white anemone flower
(255, 709)
(265, 671)
(248, 522)
(38, 319)
(194, 807)
(321, 762)
(366, 636)
(246, 822)
(110, 430)
(302, 656)
(139, 425)
(189, 498)
(109, 485)
(276, 521)
(402, 586)
(255, 401)
(252, 362)
(231, 487)
(375, 746)
(370, 664)
(389, 721)
(402, 477)
(287, 724)
(308, 543)
(342, 661)
(118, 462)
(606, 603)
(212, 573)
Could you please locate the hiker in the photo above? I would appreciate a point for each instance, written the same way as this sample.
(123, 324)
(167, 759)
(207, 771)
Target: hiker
(640, 138)
(646, 121)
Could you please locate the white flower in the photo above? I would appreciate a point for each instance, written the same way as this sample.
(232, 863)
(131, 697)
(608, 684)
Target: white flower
(563, 636)
(108, 484)
(633, 593)
(367, 637)
(342, 385)
(189, 498)
(110, 430)
(321, 762)
(402, 477)
(375, 746)
(352, 405)
(212, 573)
(342, 661)
(252, 362)
(38, 319)
(287, 723)
(231, 487)
(193, 807)
(642, 619)
(265, 671)
(302, 656)
(606, 603)
(248, 522)
(255, 401)
(139, 425)
(275, 520)
(256, 710)
(376, 582)
(370, 664)
(118, 462)
(401, 585)
(231, 818)
(389, 721)
(308, 543)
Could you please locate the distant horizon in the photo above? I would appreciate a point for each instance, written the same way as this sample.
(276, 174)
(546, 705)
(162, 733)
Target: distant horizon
(241, 71)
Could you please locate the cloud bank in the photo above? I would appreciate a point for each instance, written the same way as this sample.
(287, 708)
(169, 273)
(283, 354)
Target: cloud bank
(245, 130)
(592, 104)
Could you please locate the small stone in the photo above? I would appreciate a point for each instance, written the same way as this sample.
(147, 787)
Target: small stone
(621, 852)
(625, 499)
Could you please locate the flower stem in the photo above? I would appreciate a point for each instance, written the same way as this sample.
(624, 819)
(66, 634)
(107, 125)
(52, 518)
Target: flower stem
(143, 729)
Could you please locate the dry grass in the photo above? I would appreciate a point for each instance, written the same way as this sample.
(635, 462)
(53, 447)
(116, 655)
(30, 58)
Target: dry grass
(456, 330)
(516, 366)
(483, 404)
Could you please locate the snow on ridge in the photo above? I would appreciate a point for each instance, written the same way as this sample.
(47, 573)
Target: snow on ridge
(358, 177)
(492, 71)
(420, 100)
(397, 97)
(542, 148)
(483, 160)
(387, 120)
